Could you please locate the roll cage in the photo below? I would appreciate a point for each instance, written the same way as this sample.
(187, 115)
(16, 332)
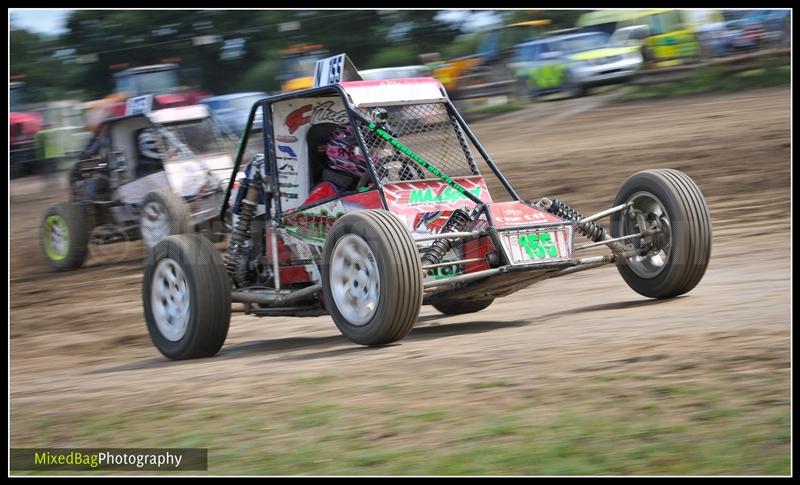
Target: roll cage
(359, 120)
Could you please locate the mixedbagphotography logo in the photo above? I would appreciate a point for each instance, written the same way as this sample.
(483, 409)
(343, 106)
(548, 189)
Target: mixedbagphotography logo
(162, 459)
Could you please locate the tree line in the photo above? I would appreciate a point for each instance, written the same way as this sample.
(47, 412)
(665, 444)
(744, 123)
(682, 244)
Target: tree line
(227, 51)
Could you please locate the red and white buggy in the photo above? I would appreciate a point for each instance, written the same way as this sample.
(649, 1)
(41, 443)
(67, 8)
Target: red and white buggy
(420, 228)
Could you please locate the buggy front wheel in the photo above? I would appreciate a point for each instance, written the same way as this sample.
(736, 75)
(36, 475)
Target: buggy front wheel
(676, 251)
(372, 277)
(186, 295)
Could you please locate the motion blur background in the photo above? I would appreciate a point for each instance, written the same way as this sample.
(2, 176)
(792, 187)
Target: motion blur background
(573, 376)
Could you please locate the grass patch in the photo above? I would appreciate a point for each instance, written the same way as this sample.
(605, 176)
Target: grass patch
(712, 79)
(667, 426)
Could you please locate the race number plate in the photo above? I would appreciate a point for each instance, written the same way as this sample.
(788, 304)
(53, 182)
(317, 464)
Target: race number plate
(537, 245)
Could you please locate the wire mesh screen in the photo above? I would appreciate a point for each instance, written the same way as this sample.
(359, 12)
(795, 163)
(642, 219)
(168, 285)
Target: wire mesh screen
(426, 129)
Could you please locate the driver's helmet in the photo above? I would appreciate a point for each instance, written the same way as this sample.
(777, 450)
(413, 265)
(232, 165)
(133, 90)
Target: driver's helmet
(344, 154)
(149, 147)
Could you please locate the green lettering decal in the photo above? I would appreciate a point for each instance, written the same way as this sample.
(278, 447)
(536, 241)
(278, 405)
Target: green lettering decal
(538, 246)
(427, 196)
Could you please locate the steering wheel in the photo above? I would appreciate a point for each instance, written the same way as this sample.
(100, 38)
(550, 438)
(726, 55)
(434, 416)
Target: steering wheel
(398, 167)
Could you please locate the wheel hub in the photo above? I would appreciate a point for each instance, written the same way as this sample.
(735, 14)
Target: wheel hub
(155, 223)
(355, 279)
(170, 300)
(56, 237)
(646, 209)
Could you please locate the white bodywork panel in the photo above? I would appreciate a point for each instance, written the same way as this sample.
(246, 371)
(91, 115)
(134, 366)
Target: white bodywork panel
(291, 121)
(415, 90)
(134, 192)
(183, 177)
(181, 113)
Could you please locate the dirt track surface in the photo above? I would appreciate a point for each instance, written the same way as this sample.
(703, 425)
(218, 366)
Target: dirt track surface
(80, 350)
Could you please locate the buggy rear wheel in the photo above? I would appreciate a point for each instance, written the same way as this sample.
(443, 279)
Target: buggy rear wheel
(461, 307)
(65, 236)
(372, 277)
(675, 257)
(163, 214)
(186, 295)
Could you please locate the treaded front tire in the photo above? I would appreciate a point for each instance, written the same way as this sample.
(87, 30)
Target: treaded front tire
(197, 266)
(372, 277)
(689, 233)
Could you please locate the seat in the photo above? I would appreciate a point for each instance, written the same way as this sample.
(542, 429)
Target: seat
(317, 162)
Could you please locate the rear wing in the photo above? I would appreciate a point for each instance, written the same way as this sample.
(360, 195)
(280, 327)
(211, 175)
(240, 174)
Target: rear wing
(335, 69)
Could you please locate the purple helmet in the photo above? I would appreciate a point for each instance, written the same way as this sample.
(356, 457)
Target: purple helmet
(343, 153)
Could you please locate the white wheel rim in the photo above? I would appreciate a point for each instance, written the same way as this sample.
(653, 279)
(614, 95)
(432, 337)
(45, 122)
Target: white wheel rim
(651, 264)
(155, 223)
(170, 300)
(354, 279)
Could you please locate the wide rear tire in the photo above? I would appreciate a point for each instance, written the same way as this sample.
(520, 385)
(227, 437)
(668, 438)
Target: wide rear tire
(462, 307)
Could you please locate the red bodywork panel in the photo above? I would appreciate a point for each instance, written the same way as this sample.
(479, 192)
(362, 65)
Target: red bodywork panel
(311, 224)
(22, 125)
(509, 214)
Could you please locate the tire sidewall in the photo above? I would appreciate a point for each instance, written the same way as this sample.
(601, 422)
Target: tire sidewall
(360, 228)
(647, 182)
(168, 248)
(387, 299)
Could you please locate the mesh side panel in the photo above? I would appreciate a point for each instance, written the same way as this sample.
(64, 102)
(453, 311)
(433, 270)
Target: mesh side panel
(430, 132)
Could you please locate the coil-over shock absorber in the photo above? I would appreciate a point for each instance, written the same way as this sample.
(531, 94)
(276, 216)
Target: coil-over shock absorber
(234, 261)
(455, 223)
(591, 229)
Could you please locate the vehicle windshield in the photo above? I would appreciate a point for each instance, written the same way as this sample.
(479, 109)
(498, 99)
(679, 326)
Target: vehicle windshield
(192, 138)
(155, 82)
(583, 43)
(621, 36)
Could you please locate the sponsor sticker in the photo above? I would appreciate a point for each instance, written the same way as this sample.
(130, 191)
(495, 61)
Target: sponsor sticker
(287, 150)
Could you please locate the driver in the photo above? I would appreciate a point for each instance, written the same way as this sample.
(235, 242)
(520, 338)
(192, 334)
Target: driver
(345, 165)
(151, 153)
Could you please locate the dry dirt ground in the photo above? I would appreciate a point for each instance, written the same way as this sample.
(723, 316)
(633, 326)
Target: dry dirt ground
(572, 375)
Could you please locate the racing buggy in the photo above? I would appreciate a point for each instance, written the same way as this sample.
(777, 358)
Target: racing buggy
(420, 227)
(152, 174)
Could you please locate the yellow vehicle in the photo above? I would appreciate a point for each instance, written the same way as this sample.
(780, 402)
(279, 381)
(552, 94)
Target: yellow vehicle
(297, 66)
(672, 35)
(489, 64)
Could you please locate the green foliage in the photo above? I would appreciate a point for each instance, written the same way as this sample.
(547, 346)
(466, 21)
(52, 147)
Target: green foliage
(261, 77)
(462, 46)
(244, 53)
(402, 55)
(710, 79)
